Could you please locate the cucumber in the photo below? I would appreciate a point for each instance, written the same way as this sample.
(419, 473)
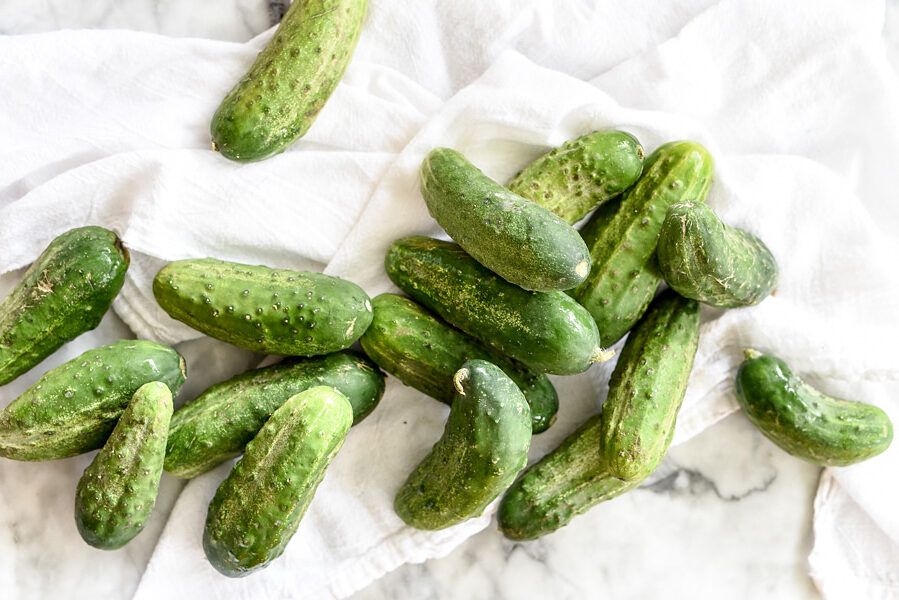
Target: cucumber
(73, 408)
(805, 422)
(581, 174)
(217, 425)
(522, 242)
(64, 293)
(424, 352)
(270, 311)
(647, 387)
(275, 103)
(622, 236)
(565, 483)
(483, 447)
(706, 260)
(547, 331)
(258, 508)
(117, 491)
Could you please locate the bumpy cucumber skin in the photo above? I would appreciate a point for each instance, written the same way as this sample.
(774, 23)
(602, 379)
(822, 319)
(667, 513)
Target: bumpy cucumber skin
(706, 260)
(547, 331)
(270, 311)
(565, 483)
(73, 408)
(581, 174)
(518, 240)
(805, 422)
(622, 236)
(117, 491)
(647, 387)
(483, 447)
(276, 102)
(64, 293)
(424, 353)
(218, 424)
(258, 508)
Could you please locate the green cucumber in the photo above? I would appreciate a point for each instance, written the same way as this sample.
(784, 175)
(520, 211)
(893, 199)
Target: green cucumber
(64, 293)
(270, 311)
(73, 408)
(423, 352)
(483, 447)
(622, 236)
(805, 422)
(275, 103)
(706, 260)
(117, 491)
(647, 387)
(258, 508)
(522, 242)
(581, 174)
(547, 331)
(218, 424)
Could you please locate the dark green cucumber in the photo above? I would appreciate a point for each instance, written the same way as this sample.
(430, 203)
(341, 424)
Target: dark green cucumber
(565, 483)
(581, 174)
(518, 240)
(423, 352)
(73, 408)
(706, 260)
(547, 331)
(64, 293)
(258, 508)
(275, 103)
(117, 491)
(805, 422)
(484, 446)
(622, 236)
(647, 387)
(270, 311)
(218, 424)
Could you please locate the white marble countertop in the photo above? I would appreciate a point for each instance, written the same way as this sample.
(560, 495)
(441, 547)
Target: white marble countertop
(726, 513)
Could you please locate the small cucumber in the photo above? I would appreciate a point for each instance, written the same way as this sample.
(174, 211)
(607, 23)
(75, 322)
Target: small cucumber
(73, 408)
(647, 387)
(622, 237)
(275, 103)
(270, 311)
(522, 242)
(217, 425)
(117, 491)
(706, 260)
(805, 422)
(547, 331)
(64, 293)
(258, 508)
(484, 446)
(581, 174)
(424, 352)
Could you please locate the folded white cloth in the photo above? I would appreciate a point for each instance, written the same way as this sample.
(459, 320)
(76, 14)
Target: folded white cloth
(795, 101)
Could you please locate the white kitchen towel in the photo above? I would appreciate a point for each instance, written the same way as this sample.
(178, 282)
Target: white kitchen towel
(795, 101)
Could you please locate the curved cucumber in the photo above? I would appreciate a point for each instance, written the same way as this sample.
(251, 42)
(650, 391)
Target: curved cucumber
(270, 311)
(518, 240)
(117, 491)
(581, 174)
(73, 408)
(64, 293)
(275, 103)
(484, 446)
(218, 424)
(704, 259)
(424, 352)
(258, 508)
(805, 422)
(547, 331)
